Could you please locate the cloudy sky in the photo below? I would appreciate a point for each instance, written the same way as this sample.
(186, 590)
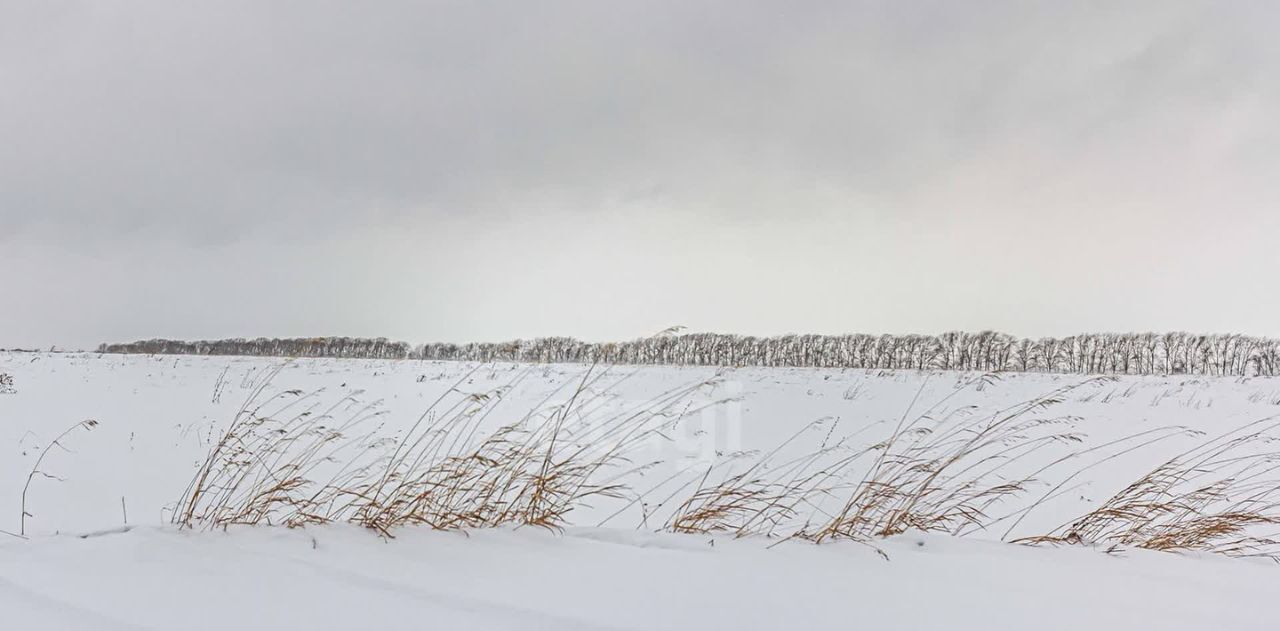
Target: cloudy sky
(467, 171)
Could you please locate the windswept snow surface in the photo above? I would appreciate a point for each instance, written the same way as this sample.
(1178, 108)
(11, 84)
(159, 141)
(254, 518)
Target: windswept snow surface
(158, 416)
(341, 578)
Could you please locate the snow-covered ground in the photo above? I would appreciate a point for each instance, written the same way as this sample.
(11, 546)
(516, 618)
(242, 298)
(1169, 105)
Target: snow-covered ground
(341, 578)
(157, 417)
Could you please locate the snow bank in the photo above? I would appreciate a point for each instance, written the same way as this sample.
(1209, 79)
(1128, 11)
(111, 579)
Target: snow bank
(342, 578)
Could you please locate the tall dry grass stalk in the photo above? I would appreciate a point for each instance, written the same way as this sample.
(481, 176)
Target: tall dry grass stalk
(289, 460)
(1221, 496)
(939, 472)
(37, 471)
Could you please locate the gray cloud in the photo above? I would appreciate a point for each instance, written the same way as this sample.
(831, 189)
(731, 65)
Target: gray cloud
(482, 152)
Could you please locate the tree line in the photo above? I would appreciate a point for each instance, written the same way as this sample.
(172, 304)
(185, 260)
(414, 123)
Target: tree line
(1106, 353)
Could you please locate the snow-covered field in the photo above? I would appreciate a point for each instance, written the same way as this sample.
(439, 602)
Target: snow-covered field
(158, 416)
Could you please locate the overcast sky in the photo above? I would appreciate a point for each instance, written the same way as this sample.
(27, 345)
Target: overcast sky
(464, 171)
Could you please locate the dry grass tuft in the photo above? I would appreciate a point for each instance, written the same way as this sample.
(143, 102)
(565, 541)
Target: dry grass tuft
(945, 475)
(1222, 496)
(261, 469)
(938, 474)
(757, 501)
(446, 472)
